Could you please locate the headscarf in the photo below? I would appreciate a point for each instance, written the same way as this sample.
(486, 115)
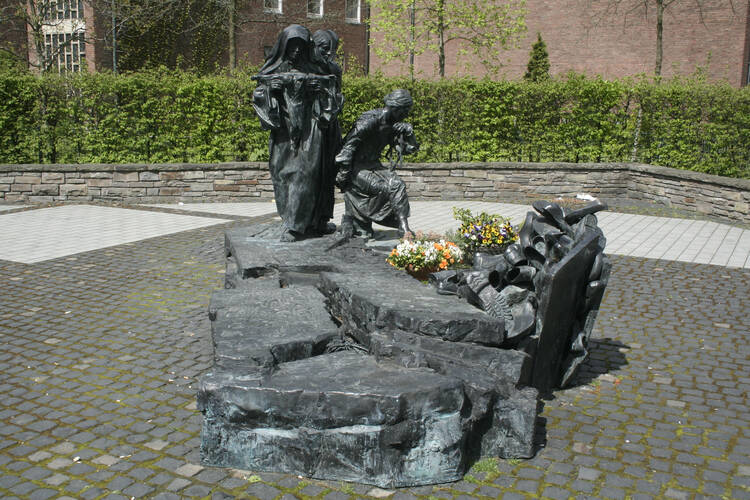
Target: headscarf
(327, 36)
(399, 98)
(278, 52)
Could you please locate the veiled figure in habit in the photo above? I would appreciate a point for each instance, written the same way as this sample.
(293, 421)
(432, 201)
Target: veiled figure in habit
(372, 191)
(296, 100)
(326, 43)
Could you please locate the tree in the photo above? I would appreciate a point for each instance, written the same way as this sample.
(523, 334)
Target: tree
(604, 10)
(31, 20)
(480, 28)
(169, 32)
(538, 68)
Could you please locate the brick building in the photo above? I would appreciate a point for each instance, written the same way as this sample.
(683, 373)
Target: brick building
(77, 37)
(580, 37)
(715, 37)
(260, 21)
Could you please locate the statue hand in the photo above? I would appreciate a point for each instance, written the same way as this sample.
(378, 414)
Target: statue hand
(403, 128)
(343, 178)
(314, 85)
(276, 84)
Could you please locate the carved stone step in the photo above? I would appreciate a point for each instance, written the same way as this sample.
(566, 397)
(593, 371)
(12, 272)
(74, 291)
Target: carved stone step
(267, 325)
(502, 418)
(379, 301)
(356, 420)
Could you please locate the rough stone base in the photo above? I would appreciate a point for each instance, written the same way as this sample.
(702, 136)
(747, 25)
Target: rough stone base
(339, 416)
(329, 363)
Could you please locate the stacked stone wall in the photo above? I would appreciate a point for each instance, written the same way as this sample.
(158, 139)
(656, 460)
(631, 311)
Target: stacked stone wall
(143, 183)
(723, 198)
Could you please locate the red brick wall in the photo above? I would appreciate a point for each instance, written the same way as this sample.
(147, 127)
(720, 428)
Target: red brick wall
(12, 32)
(622, 44)
(263, 28)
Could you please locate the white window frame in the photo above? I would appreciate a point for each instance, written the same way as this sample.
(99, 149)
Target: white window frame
(356, 20)
(278, 10)
(66, 49)
(318, 14)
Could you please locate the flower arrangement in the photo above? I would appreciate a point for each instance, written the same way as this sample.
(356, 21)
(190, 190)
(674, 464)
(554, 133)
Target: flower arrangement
(483, 231)
(423, 256)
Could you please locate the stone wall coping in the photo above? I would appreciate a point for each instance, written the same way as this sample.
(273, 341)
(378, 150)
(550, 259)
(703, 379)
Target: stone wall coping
(509, 165)
(130, 167)
(665, 172)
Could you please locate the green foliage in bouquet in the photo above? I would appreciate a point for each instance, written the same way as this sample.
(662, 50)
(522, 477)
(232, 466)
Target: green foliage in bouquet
(483, 231)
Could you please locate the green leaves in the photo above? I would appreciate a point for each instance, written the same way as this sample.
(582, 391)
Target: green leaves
(165, 115)
(481, 28)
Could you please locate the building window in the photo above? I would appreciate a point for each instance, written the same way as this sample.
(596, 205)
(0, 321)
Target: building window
(272, 6)
(314, 8)
(65, 51)
(64, 31)
(59, 10)
(353, 11)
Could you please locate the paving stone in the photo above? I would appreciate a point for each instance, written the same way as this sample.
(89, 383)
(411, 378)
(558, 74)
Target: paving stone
(36, 473)
(57, 479)
(42, 494)
(107, 460)
(556, 493)
(311, 490)
(137, 490)
(188, 470)
(167, 496)
(334, 495)
(178, 484)
(119, 483)
(262, 490)
(59, 463)
(196, 491)
(39, 456)
(677, 494)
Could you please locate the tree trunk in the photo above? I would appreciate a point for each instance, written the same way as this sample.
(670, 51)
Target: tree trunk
(232, 38)
(114, 39)
(441, 37)
(659, 35)
(412, 37)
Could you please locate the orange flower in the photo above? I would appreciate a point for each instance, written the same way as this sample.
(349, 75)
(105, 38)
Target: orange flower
(438, 246)
(443, 264)
(446, 254)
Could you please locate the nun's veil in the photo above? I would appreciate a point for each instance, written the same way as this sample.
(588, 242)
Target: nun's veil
(276, 57)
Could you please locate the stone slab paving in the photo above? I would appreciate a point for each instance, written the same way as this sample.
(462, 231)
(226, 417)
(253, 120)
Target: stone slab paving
(242, 209)
(47, 233)
(684, 240)
(5, 208)
(101, 352)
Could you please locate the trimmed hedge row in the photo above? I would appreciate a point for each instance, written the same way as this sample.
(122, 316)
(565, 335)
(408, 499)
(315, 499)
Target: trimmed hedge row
(167, 116)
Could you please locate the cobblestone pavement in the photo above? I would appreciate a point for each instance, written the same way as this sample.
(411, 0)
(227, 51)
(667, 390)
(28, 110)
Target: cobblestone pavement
(101, 352)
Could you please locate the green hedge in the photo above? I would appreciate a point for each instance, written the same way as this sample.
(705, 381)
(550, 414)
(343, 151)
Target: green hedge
(172, 116)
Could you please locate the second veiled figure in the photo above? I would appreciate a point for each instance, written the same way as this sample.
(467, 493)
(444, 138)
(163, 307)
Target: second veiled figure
(296, 99)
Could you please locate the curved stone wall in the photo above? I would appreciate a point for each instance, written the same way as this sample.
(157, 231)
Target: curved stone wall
(720, 197)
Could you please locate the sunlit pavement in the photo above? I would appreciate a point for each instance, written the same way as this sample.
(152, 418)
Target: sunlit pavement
(104, 334)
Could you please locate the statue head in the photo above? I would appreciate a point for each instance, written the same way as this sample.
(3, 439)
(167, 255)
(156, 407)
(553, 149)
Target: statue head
(326, 42)
(294, 45)
(398, 104)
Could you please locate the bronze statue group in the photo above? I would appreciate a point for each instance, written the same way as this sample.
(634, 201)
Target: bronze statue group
(298, 98)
